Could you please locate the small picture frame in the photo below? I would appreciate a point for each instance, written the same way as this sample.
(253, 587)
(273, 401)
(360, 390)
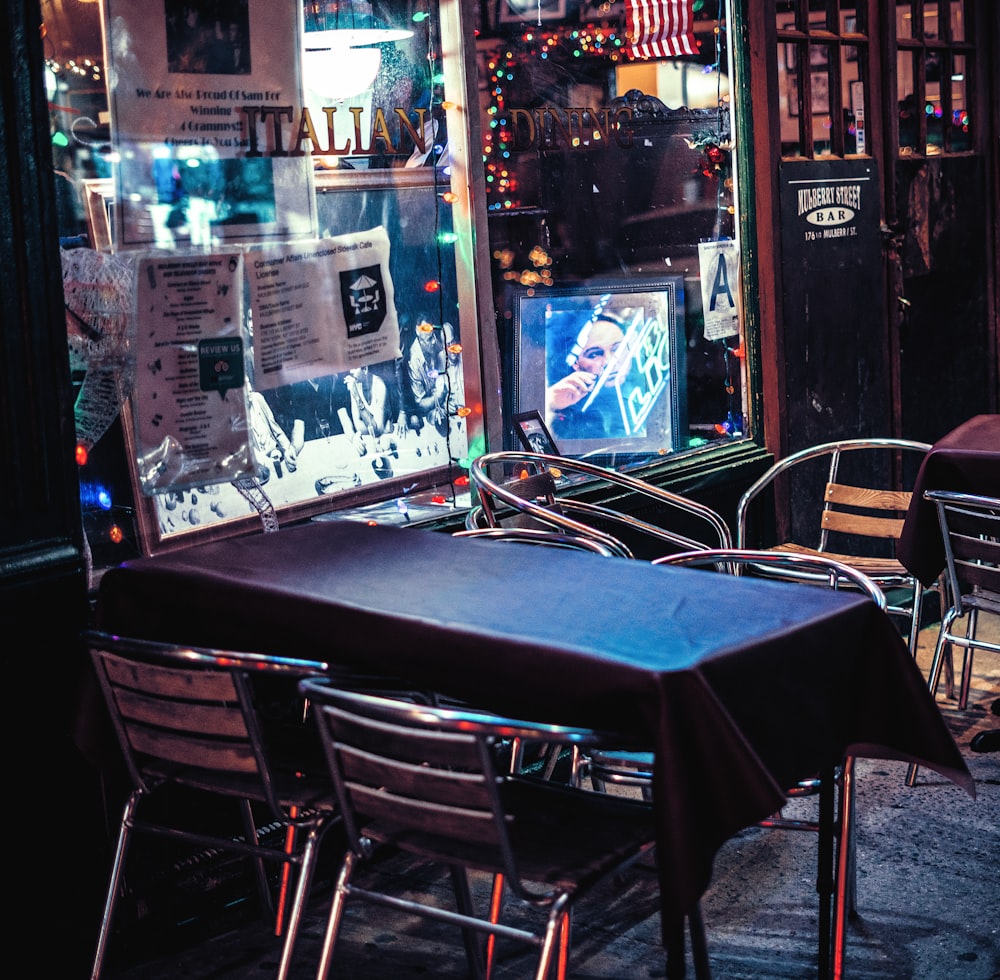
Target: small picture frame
(531, 11)
(534, 434)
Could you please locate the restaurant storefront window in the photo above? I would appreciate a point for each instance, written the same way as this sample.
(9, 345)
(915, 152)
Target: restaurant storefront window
(609, 154)
(285, 225)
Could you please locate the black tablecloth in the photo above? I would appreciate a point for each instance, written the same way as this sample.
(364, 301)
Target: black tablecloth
(741, 686)
(966, 460)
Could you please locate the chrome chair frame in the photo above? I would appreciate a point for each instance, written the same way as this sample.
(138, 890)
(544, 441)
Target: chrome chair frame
(187, 717)
(539, 536)
(838, 892)
(536, 495)
(434, 782)
(869, 512)
(970, 531)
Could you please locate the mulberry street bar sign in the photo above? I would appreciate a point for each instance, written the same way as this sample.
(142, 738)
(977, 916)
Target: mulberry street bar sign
(831, 255)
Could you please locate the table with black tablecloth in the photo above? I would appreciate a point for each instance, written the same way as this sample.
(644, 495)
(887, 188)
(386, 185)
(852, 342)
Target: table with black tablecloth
(742, 686)
(966, 460)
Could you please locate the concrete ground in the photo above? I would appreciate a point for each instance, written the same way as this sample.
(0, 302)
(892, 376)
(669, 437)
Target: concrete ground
(928, 894)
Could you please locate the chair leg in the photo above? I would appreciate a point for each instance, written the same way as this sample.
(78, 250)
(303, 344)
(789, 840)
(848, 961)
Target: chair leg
(699, 944)
(967, 655)
(307, 866)
(496, 907)
(565, 934)
(471, 938)
(916, 609)
(553, 930)
(825, 871)
(340, 890)
(934, 676)
(260, 872)
(676, 968)
(845, 887)
(114, 884)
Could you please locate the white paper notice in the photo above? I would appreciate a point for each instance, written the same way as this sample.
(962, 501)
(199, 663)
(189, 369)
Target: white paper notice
(322, 307)
(720, 288)
(189, 403)
(182, 79)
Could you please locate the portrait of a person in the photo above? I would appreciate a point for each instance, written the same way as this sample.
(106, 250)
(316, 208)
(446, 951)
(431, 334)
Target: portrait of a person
(582, 399)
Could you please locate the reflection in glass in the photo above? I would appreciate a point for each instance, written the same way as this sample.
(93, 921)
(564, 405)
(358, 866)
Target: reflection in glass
(908, 109)
(961, 131)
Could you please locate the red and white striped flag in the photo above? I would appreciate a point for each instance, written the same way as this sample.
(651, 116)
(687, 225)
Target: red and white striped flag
(660, 28)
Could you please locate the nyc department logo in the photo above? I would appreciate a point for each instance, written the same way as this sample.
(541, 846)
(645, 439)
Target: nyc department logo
(362, 293)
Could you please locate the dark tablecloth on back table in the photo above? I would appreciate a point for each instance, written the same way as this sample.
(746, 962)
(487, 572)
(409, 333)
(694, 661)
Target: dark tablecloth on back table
(741, 686)
(966, 460)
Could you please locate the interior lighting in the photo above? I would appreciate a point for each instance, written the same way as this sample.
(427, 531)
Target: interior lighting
(95, 495)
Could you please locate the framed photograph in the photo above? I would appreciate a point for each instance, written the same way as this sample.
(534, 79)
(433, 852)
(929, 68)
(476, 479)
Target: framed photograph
(789, 47)
(531, 11)
(531, 429)
(819, 84)
(792, 82)
(603, 364)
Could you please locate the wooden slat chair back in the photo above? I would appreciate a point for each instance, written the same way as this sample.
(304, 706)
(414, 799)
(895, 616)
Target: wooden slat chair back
(187, 718)
(436, 782)
(856, 523)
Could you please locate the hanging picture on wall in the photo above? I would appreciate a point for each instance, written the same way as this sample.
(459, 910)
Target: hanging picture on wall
(605, 361)
(533, 434)
(531, 11)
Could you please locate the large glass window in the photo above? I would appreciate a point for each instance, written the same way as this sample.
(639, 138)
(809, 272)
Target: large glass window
(247, 153)
(608, 147)
(268, 257)
(934, 62)
(823, 53)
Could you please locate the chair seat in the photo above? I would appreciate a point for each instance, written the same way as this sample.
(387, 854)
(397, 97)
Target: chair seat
(292, 789)
(562, 836)
(880, 567)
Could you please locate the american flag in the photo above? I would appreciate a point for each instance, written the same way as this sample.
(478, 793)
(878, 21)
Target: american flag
(660, 28)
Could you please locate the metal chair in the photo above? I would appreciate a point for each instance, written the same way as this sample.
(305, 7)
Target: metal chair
(548, 491)
(190, 729)
(844, 497)
(539, 536)
(836, 879)
(970, 530)
(434, 782)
